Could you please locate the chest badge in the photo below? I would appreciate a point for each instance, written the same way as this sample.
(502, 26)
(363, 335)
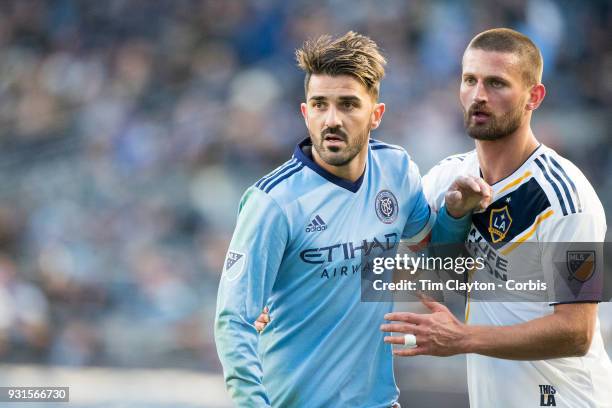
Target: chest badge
(386, 206)
(499, 223)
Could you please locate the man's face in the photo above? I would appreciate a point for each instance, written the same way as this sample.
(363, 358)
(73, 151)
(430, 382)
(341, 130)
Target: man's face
(493, 94)
(339, 114)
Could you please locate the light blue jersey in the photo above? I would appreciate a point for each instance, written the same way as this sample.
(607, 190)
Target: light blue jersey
(297, 248)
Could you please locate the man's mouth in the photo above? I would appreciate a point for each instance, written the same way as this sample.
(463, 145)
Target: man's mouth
(480, 116)
(333, 138)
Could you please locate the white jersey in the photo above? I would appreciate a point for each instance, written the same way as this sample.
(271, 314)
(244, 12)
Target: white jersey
(547, 199)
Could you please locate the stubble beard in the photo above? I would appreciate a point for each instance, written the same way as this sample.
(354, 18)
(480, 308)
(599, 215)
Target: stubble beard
(496, 128)
(340, 156)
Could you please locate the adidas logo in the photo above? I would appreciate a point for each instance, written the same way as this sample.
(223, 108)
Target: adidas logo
(317, 224)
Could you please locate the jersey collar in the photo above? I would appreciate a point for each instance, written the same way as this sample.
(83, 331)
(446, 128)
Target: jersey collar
(299, 154)
(527, 160)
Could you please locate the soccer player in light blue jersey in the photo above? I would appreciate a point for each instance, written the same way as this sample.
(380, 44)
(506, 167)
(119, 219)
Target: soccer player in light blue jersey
(300, 236)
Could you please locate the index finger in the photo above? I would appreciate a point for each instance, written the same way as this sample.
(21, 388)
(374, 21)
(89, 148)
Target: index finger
(469, 182)
(484, 187)
(407, 317)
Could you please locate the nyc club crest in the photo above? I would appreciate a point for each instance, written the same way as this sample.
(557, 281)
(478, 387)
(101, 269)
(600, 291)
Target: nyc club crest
(386, 206)
(580, 265)
(499, 223)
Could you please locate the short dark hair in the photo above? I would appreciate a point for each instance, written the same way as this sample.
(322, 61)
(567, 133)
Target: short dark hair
(508, 40)
(352, 54)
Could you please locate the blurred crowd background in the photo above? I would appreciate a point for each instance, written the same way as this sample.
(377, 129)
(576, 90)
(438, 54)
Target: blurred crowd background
(130, 128)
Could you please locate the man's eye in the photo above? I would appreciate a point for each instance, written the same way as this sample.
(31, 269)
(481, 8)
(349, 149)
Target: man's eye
(318, 105)
(497, 84)
(347, 105)
(469, 81)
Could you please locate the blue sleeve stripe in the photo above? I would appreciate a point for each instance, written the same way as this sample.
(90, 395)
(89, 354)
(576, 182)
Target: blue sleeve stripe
(285, 170)
(284, 177)
(571, 183)
(556, 175)
(552, 183)
(277, 174)
(377, 144)
(384, 146)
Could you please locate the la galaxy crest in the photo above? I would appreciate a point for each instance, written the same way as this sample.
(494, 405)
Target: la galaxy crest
(499, 223)
(386, 206)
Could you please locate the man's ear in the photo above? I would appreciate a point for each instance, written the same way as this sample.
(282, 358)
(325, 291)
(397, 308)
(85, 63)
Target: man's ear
(536, 96)
(304, 110)
(377, 114)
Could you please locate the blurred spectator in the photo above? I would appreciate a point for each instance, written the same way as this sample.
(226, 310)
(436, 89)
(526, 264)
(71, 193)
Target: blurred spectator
(24, 315)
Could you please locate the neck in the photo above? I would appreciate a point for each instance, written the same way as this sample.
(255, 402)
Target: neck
(500, 158)
(350, 171)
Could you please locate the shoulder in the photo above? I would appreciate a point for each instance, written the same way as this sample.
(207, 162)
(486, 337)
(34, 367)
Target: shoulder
(386, 151)
(437, 180)
(277, 185)
(377, 145)
(455, 161)
(448, 168)
(565, 184)
(392, 157)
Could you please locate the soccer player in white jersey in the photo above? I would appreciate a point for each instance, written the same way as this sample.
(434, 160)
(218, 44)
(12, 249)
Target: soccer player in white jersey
(300, 236)
(519, 354)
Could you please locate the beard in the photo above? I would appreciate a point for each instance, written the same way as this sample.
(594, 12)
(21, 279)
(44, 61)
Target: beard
(497, 127)
(339, 155)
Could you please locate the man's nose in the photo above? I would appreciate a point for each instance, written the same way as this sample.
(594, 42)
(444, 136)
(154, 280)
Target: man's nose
(480, 93)
(332, 120)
